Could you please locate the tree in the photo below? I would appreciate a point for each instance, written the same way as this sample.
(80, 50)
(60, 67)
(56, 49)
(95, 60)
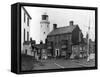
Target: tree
(46, 41)
(31, 39)
(41, 42)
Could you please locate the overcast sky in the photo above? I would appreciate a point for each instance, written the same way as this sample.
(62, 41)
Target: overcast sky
(61, 17)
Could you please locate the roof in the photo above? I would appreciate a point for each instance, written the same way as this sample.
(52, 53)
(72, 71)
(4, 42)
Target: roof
(40, 46)
(62, 30)
(85, 40)
(27, 13)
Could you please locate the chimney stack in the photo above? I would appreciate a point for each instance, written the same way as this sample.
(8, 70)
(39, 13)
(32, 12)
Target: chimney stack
(54, 26)
(71, 23)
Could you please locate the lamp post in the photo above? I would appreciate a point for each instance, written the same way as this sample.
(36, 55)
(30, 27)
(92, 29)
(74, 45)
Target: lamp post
(88, 48)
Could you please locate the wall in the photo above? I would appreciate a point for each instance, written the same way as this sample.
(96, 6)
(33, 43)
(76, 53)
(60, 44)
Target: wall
(44, 28)
(24, 26)
(75, 35)
(5, 39)
(57, 42)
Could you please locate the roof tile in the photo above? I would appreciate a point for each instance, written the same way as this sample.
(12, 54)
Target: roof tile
(62, 30)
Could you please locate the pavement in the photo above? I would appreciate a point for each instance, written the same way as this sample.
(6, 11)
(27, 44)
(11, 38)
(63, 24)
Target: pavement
(62, 63)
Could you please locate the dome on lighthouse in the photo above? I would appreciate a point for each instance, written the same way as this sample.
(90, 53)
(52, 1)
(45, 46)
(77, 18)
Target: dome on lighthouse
(45, 13)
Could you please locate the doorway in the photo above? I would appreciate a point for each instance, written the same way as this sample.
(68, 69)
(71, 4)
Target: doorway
(57, 52)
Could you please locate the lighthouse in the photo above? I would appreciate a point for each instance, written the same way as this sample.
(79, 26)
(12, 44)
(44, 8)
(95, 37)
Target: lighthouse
(44, 27)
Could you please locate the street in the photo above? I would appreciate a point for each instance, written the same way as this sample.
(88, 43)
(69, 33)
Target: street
(62, 63)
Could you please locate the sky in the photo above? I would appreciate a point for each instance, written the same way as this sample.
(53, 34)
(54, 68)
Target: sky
(61, 17)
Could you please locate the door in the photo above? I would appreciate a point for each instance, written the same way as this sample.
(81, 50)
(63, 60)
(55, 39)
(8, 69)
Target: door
(57, 53)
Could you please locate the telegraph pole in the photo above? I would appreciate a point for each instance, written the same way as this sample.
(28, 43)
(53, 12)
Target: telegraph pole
(88, 50)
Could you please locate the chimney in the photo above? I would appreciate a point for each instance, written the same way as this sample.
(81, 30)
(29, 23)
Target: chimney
(54, 26)
(71, 23)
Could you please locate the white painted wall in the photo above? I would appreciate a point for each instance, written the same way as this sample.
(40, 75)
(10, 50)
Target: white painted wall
(44, 28)
(24, 26)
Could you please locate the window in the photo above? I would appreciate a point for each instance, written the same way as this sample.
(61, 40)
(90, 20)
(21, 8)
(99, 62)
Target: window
(47, 26)
(69, 37)
(26, 51)
(44, 17)
(24, 35)
(64, 42)
(55, 43)
(27, 21)
(24, 17)
(27, 36)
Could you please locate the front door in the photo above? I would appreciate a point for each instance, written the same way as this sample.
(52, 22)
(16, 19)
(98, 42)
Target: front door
(57, 53)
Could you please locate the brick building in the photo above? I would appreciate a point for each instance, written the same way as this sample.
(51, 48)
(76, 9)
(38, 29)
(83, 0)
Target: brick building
(60, 41)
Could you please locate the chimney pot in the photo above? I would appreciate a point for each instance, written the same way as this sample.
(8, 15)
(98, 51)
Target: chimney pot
(71, 23)
(54, 26)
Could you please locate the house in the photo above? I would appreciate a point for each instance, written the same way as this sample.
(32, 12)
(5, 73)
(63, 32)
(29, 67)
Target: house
(41, 51)
(38, 51)
(27, 48)
(83, 52)
(85, 49)
(64, 41)
(92, 46)
(25, 30)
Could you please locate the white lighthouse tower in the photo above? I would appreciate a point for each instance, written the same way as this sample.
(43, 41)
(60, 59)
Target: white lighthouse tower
(44, 27)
